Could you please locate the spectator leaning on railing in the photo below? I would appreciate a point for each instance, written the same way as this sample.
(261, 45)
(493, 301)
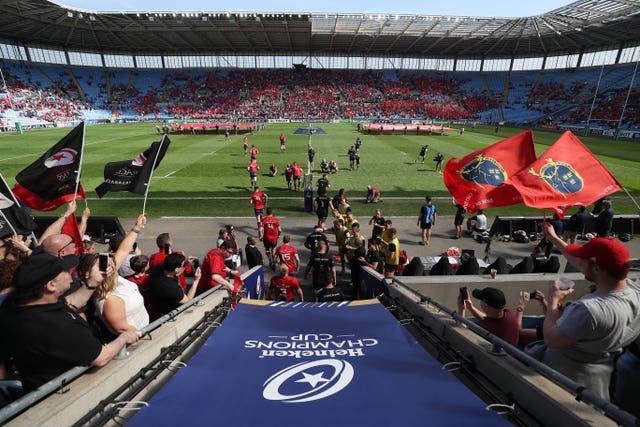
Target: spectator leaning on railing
(44, 336)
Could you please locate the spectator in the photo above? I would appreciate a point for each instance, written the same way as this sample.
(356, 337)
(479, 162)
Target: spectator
(164, 242)
(283, 286)
(582, 344)
(527, 336)
(492, 316)
(576, 225)
(214, 269)
(545, 245)
(43, 334)
(165, 291)
(604, 220)
(254, 256)
(140, 266)
(477, 223)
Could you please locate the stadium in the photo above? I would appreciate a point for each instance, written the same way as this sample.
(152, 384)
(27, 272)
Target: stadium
(206, 81)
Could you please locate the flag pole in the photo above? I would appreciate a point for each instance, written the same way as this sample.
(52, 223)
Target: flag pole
(631, 198)
(153, 166)
(7, 221)
(75, 194)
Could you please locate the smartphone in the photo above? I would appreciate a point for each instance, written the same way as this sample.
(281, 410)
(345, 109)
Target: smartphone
(103, 262)
(532, 295)
(463, 293)
(167, 248)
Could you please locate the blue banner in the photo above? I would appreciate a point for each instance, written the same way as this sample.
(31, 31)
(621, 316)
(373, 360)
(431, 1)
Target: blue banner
(314, 364)
(254, 283)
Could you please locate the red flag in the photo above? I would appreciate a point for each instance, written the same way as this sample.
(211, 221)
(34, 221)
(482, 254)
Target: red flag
(566, 174)
(477, 181)
(71, 229)
(50, 181)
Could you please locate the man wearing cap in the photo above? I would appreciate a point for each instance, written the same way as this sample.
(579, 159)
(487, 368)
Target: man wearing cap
(583, 343)
(43, 334)
(493, 317)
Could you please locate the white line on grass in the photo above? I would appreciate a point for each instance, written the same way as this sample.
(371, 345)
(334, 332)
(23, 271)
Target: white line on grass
(169, 174)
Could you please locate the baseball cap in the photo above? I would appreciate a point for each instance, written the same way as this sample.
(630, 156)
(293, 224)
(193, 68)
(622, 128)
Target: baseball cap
(492, 296)
(41, 268)
(608, 253)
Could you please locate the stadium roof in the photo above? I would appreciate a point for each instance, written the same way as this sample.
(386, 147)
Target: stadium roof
(579, 26)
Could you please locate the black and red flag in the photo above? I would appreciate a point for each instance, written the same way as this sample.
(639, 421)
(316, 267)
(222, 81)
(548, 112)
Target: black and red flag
(133, 175)
(565, 175)
(14, 219)
(477, 181)
(53, 179)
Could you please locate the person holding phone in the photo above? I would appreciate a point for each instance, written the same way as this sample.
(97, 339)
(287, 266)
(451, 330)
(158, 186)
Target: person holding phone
(492, 315)
(119, 304)
(165, 247)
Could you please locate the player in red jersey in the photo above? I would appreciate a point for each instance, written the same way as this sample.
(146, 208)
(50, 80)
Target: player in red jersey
(288, 255)
(283, 286)
(245, 145)
(253, 169)
(253, 152)
(297, 176)
(272, 231)
(283, 142)
(258, 199)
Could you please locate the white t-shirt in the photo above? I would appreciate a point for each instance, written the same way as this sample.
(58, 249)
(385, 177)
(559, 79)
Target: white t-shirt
(135, 311)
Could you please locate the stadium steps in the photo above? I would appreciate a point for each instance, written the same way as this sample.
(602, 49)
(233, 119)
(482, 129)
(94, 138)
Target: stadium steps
(72, 76)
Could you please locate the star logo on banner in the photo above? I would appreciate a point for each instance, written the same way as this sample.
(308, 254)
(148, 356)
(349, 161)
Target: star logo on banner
(313, 380)
(334, 376)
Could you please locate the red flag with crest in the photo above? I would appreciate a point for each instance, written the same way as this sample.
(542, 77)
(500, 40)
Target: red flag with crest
(566, 174)
(477, 181)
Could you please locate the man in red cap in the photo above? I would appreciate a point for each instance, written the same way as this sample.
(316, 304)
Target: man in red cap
(583, 343)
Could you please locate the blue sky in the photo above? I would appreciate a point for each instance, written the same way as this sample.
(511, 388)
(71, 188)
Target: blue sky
(449, 7)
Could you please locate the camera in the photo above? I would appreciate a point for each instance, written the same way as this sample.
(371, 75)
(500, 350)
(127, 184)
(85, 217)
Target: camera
(532, 295)
(464, 294)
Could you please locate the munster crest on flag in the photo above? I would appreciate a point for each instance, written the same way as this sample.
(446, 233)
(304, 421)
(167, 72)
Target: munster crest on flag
(51, 181)
(133, 175)
(566, 174)
(477, 181)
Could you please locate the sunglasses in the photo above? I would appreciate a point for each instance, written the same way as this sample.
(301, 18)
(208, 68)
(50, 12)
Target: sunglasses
(71, 242)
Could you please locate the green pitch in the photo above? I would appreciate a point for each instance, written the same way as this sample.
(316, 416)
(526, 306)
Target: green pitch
(204, 175)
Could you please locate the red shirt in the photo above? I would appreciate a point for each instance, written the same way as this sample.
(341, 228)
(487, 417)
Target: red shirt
(140, 281)
(375, 191)
(253, 167)
(271, 226)
(288, 172)
(505, 328)
(158, 258)
(286, 253)
(213, 263)
(257, 199)
(297, 170)
(254, 152)
(283, 286)
(283, 139)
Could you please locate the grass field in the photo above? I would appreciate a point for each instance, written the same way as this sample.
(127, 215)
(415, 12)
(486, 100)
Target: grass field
(204, 175)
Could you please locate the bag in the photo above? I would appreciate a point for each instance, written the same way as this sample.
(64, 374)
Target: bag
(483, 237)
(520, 236)
(625, 237)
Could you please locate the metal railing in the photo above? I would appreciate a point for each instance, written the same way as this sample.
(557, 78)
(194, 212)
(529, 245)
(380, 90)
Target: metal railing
(499, 345)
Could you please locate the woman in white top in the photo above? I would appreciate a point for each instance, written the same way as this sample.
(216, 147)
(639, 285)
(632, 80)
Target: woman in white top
(118, 301)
